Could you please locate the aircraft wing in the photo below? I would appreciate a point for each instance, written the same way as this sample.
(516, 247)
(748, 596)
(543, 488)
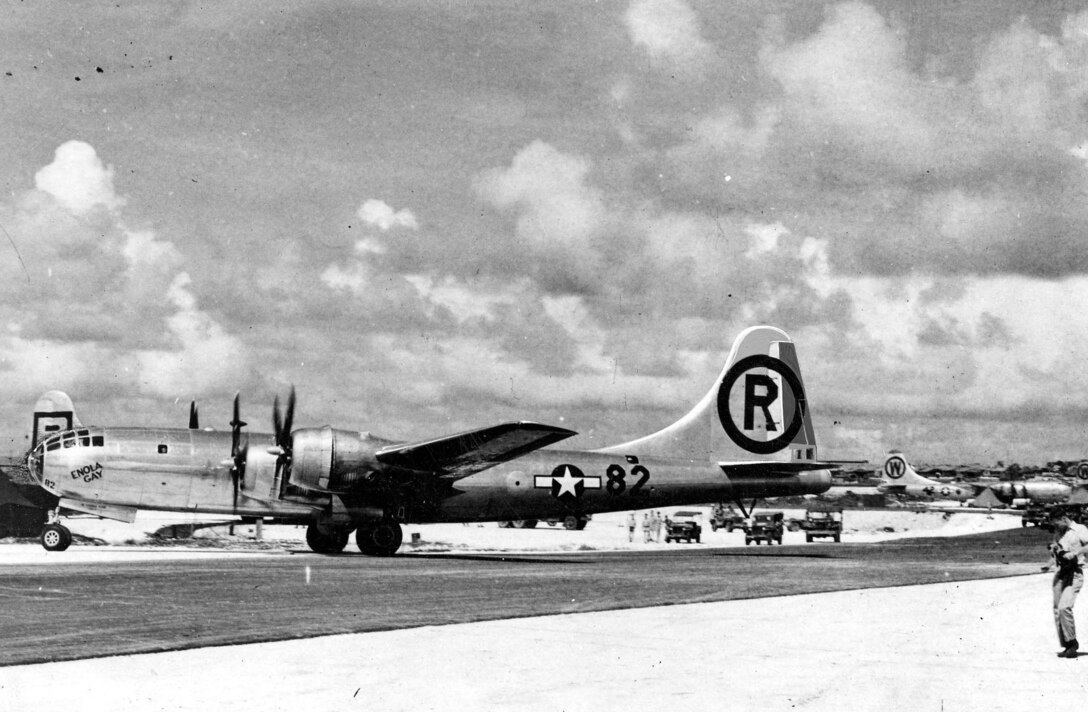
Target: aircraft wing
(769, 469)
(464, 454)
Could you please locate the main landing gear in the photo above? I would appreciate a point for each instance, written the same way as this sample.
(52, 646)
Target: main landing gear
(330, 543)
(381, 539)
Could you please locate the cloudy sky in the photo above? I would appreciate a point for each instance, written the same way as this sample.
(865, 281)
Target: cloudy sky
(435, 216)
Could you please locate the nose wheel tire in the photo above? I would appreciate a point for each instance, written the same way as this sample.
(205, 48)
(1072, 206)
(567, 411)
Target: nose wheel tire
(56, 537)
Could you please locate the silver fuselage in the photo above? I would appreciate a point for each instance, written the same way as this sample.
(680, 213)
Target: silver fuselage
(191, 471)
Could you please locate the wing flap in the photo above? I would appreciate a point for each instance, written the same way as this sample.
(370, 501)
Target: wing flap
(464, 454)
(772, 469)
(106, 511)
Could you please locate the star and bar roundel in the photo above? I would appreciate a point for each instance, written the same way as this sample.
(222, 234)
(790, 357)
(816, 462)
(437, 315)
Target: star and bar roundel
(566, 481)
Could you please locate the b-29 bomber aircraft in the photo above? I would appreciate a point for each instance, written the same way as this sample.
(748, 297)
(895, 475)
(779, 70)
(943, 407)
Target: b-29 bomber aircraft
(749, 437)
(899, 477)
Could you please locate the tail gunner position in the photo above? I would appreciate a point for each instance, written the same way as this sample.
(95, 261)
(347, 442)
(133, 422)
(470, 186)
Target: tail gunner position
(749, 437)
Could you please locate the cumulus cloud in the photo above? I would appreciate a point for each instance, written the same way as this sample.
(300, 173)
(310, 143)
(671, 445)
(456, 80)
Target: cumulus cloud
(200, 356)
(560, 215)
(850, 82)
(901, 167)
(379, 214)
(466, 302)
(668, 30)
(549, 189)
(78, 180)
(109, 303)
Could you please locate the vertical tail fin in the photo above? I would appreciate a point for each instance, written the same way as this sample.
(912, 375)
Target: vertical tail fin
(897, 472)
(53, 413)
(898, 477)
(756, 407)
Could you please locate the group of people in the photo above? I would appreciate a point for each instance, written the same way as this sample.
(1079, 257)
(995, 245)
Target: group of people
(652, 523)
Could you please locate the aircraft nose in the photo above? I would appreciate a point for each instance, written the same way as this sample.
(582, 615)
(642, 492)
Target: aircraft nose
(35, 463)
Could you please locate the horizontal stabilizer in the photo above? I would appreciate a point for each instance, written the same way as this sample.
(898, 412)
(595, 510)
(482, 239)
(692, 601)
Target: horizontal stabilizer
(467, 453)
(771, 469)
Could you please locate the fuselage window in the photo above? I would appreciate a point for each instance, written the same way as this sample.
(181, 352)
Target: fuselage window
(53, 445)
(162, 449)
(98, 441)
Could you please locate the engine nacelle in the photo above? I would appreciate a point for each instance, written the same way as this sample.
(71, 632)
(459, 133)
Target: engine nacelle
(329, 459)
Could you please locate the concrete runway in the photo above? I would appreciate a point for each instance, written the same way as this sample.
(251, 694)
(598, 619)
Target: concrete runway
(759, 637)
(175, 602)
(975, 645)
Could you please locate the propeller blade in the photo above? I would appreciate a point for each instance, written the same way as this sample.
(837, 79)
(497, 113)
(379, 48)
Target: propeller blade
(234, 476)
(282, 448)
(277, 420)
(236, 425)
(194, 421)
(290, 417)
(237, 452)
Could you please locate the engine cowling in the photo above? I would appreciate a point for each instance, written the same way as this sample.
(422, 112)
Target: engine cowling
(329, 459)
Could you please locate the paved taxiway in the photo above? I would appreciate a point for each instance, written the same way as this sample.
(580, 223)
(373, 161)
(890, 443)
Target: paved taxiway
(174, 601)
(958, 646)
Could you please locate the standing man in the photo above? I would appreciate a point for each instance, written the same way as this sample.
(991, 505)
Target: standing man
(631, 526)
(1068, 567)
(645, 528)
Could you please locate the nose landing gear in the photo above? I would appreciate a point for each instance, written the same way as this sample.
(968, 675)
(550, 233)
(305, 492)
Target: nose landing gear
(55, 536)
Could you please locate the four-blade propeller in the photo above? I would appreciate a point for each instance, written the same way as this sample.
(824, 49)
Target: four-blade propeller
(282, 448)
(238, 443)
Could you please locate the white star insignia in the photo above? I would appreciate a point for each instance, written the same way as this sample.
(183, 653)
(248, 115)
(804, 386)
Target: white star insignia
(567, 483)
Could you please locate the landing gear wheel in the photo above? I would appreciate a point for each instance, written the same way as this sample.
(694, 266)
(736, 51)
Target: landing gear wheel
(382, 539)
(582, 522)
(525, 523)
(570, 522)
(332, 543)
(56, 537)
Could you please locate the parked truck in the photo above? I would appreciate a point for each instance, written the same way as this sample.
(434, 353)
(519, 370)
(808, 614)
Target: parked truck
(727, 518)
(684, 525)
(765, 526)
(822, 525)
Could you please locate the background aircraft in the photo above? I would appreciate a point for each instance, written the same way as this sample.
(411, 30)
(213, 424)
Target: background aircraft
(898, 477)
(750, 436)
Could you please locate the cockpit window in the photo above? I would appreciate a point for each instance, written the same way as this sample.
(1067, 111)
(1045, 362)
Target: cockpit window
(74, 438)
